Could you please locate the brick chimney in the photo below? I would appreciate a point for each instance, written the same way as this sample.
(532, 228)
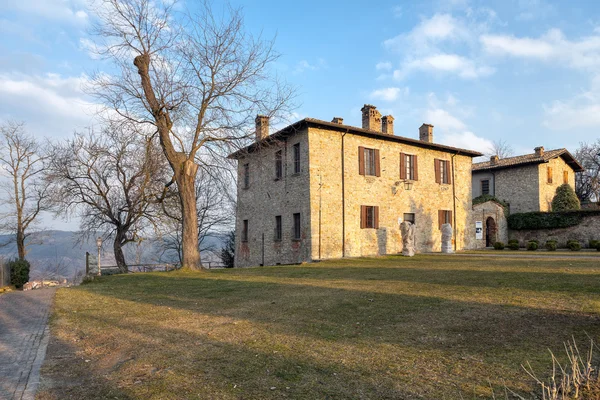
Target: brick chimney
(494, 159)
(426, 133)
(262, 127)
(371, 118)
(539, 151)
(338, 120)
(387, 124)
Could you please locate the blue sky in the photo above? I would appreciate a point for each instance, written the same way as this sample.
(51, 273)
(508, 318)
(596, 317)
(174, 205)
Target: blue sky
(519, 70)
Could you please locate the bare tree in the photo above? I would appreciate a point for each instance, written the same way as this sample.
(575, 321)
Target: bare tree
(500, 148)
(111, 181)
(25, 189)
(197, 77)
(215, 212)
(587, 183)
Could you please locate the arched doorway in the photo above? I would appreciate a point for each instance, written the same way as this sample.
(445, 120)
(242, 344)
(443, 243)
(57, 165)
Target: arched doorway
(490, 232)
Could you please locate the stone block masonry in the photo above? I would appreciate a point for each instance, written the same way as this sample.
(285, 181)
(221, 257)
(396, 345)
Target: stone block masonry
(588, 229)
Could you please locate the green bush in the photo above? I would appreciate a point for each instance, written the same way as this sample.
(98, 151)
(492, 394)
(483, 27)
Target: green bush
(513, 245)
(565, 199)
(573, 245)
(551, 245)
(594, 243)
(19, 272)
(513, 241)
(532, 245)
(484, 198)
(499, 246)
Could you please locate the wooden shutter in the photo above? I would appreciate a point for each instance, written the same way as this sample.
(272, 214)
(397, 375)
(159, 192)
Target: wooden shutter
(447, 171)
(377, 167)
(363, 217)
(451, 221)
(436, 164)
(361, 160)
(440, 218)
(415, 169)
(565, 176)
(376, 217)
(402, 166)
(549, 174)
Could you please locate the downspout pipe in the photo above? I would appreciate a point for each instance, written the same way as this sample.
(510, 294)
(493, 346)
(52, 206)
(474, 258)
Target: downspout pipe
(343, 199)
(454, 201)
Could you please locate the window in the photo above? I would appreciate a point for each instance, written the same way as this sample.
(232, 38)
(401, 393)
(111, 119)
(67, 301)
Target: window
(296, 148)
(245, 231)
(369, 217)
(278, 164)
(368, 161)
(485, 186)
(408, 167)
(549, 172)
(246, 176)
(409, 217)
(442, 171)
(297, 230)
(278, 230)
(444, 217)
(565, 176)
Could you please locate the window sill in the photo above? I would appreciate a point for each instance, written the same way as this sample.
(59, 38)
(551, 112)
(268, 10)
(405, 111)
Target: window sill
(296, 173)
(296, 240)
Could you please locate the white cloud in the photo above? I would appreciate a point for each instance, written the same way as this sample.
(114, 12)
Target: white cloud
(443, 120)
(553, 46)
(383, 66)
(51, 105)
(427, 33)
(304, 65)
(65, 10)
(445, 63)
(581, 111)
(466, 140)
(388, 94)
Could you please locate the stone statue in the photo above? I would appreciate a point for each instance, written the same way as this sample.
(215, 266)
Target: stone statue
(408, 238)
(447, 238)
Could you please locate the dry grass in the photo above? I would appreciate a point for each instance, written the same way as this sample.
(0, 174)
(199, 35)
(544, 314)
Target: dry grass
(428, 327)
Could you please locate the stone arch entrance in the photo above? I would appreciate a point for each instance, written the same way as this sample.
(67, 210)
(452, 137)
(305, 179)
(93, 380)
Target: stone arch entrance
(490, 232)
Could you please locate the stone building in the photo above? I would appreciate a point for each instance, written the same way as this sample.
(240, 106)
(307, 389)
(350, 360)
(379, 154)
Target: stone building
(316, 190)
(527, 182)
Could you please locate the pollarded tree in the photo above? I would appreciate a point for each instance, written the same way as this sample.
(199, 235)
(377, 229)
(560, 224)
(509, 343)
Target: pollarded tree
(111, 180)
(565, 199)
(26, 191)
(587, 183)
(197, 77)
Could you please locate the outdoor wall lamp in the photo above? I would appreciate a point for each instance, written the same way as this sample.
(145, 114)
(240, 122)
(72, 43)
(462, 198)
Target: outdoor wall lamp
(408, 185)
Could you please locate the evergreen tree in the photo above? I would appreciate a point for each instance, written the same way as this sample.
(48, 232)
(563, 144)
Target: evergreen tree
(565, 199)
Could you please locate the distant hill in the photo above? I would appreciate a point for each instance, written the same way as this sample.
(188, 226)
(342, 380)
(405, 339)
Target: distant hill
(59, 254)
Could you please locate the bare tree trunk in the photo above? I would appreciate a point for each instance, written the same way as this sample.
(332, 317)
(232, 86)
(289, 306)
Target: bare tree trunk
(21, 243)
(118, 251)
(186, 183)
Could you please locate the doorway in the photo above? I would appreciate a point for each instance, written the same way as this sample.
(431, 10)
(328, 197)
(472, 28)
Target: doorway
(490, 232)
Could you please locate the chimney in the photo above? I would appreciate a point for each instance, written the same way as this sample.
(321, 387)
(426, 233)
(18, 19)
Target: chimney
(387, 124)
(494, 160)
(262, 127)
(338, 120)
(371, 118)
(426, 133)
(539, 151)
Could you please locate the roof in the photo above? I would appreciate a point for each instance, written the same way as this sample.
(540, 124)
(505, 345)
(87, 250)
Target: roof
(295, 127)
(529, 159)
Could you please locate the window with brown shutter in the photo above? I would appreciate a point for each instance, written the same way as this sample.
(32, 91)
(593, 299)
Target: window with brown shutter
(442, 171)
(436, 165)
(444, 217)
(369, 217)
(361, 160)
(415, 168)
(565, 176)
(408, 167)
(402, 166)
(549, 171)
(368, 162)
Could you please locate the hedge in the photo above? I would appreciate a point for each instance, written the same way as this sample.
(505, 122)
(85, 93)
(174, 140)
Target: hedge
(19, 272)
(548, 220)
(484, 198)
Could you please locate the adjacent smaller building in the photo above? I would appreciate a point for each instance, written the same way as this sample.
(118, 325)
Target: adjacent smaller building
(527, 182)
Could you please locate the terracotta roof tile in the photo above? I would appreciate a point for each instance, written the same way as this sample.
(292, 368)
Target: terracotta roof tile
(528, 159)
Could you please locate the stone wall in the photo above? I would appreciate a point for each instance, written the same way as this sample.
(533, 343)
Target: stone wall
(483, 211)
(588, 229)
(519, 187)
(386, 191)
(548, 190)
(266, 198)
(480, 176)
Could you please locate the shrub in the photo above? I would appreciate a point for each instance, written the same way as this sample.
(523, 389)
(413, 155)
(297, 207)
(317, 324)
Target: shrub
(594, 243)
(565, 199)
(551, 245)
(532, 245)
(499, 246)
(573, 245)
(513, 245)
(19, 272)
(546, 220)
(513, 241)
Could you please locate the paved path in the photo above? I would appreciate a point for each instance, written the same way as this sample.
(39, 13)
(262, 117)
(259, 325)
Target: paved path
(23, 341)
(525, 254)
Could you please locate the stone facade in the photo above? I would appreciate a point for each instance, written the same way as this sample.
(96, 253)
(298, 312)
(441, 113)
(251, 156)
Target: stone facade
(588, 229)
(493, 220)
(329, 191)
(525, 187)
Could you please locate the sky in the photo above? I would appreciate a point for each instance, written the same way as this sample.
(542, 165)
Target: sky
(522, 71)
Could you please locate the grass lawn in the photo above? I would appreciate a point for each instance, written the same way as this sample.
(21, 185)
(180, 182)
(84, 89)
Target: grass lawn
(428, 327)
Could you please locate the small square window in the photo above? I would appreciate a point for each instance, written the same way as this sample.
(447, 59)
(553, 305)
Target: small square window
(245, 231)
(485, 186)
(369, 217)
(296, 148)
(246, 176)
(297, 227)
(409, 217)
(278, 228)
(278, 164)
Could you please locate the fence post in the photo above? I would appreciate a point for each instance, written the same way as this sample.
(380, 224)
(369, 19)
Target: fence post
(87, 263)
